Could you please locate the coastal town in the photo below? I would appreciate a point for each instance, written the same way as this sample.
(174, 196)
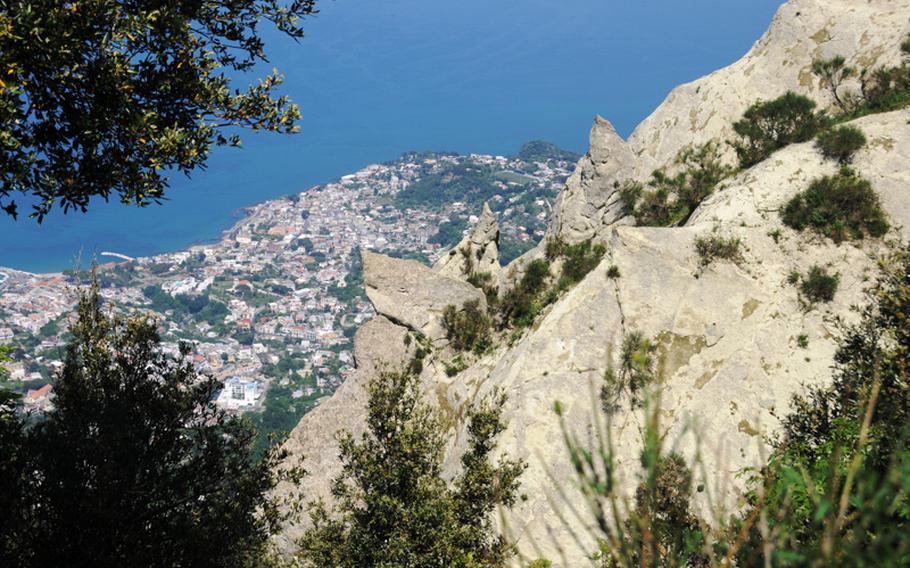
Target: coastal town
(271, 308)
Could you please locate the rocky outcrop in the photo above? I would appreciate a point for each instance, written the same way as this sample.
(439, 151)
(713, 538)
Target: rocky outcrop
(590, 201)
(867, 33)
(412, 295)
(727, 336)
(478, 251)
(735, 340)
(379, 343)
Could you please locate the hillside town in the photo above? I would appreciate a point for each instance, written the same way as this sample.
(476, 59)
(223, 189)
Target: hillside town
(271, 307)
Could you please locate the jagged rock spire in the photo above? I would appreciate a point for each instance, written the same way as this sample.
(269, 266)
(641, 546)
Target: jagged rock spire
(477, 252)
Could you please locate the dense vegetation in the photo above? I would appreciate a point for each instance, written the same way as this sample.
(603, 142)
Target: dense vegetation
(200, 307)
(134, 465)
(521, 304)
(460, 182)
(449, 233)
(842, 206)
(841, 143)
(393, 506)
(768, 126)
(100, 98)
(670, 199)
(468, 328)
(542, 151)
(578, 260)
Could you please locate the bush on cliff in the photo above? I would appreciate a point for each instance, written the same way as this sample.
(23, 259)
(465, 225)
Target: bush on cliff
(842, 206)
(841, 143)
(580, 259)
(468, 328)
(521, 304)
(393, 505)
(669, 200)
(768, 126)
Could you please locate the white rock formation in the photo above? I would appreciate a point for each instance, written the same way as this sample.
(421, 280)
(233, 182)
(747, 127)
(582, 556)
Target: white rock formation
(727, 334)
(413, 295)
(480, 245)
(867, 33)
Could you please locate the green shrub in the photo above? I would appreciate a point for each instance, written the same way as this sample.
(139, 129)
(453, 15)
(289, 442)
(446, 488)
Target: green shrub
(521, 304)
(670, 200)
(841, 143)
(580, 259)
(885, 90)
(842, 206)
(423, 347)
(535, 276)
(467, 329)
(468, 259)
(881, 90)
(630, 191)
(656, 208)
(835, 489)
(484, 281)
(634, 375)
(715, 247)
(833, 72)
(393, 505)
(613, 272)
(819, 286)
(455, 366)
(770, 125)
(554, 248)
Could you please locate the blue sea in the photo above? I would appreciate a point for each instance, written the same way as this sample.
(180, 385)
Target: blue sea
(375, 79)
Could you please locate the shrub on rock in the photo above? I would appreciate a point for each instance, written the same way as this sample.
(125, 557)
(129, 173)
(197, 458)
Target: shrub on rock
(842, 206)
(841, 143)
(770, 125)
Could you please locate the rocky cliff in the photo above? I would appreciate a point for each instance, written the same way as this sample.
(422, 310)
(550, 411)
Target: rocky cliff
(734, 339)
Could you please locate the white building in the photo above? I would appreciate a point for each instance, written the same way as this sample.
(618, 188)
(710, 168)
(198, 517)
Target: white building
(239, 394)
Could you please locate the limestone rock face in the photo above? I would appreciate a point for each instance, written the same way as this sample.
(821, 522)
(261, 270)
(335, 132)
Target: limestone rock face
(480, 245)
(727, 334)
(412, 295)
(590, 201)
(378, 343)
(867, 33)
(735, 340)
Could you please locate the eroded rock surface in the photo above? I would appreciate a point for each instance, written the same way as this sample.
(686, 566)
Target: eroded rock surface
(413, 295)
(478, 251)
(868, 34)
(728, 335)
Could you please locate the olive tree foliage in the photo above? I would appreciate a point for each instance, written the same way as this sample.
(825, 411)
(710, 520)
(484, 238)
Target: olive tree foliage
(106, 97)
(393, 507)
